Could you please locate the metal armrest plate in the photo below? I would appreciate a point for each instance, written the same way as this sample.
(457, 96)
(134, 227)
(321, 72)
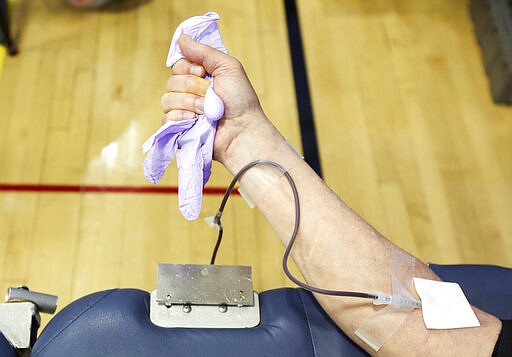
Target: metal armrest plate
(204, 284)
(204, 316)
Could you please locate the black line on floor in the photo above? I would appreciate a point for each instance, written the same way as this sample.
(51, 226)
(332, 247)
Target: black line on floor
(305, 110)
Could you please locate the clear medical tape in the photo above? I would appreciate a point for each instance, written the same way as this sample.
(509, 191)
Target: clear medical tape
(378, 328)
(286, 156)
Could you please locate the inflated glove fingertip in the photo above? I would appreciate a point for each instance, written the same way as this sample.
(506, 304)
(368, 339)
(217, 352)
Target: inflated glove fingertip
(213, 105)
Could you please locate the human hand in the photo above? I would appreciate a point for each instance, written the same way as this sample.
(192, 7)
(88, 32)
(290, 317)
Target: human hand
(185, 96)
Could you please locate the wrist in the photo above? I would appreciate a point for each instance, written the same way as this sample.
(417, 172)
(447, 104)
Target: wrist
(254, 141)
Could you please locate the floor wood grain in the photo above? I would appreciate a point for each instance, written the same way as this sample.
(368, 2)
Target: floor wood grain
(408, 136)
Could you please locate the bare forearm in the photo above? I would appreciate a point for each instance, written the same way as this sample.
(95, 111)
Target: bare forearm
(336, 249)
(328, 228)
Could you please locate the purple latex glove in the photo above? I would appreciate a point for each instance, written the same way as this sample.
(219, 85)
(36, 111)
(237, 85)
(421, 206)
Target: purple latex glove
(190, 140)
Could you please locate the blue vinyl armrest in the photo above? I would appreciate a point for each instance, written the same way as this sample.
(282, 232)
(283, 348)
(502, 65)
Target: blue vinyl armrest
(487, 287)
(116, 323)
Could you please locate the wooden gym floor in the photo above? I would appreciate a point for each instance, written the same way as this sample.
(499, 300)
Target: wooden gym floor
(406, 131)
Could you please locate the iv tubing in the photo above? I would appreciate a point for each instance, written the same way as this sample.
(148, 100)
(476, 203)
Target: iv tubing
(218, 225)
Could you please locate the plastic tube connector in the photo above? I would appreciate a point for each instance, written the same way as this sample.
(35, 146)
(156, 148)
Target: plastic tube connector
(399, 301)
(214, 222)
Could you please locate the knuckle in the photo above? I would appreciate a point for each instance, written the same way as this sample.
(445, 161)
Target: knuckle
(164, 101)
(235, 63)
(176, 68)
(169, 83)
(164, 119)
(190, 82)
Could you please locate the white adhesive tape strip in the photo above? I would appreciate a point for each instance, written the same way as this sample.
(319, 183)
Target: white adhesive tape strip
(286, 156)
(378, 328)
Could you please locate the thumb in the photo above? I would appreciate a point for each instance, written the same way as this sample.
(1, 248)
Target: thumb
(210, 58)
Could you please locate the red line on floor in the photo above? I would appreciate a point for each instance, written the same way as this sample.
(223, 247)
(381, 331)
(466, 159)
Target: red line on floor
(52, 188)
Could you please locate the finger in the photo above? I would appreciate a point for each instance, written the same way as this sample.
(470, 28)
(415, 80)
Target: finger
(209, 58)
(184, 66)
(182, 101)
(188, 84)
(178, 115)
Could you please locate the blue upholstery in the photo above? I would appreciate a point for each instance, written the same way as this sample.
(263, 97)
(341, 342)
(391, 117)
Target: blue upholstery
(5, 348)
(116, 323)
(487, 287)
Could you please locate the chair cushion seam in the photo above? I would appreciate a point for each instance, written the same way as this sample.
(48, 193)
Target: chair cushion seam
(73, 320)
(308, 323)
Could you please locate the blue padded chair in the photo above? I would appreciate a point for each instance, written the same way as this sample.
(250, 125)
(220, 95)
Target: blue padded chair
(487, 287)
(116, 323)
(6, 349)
